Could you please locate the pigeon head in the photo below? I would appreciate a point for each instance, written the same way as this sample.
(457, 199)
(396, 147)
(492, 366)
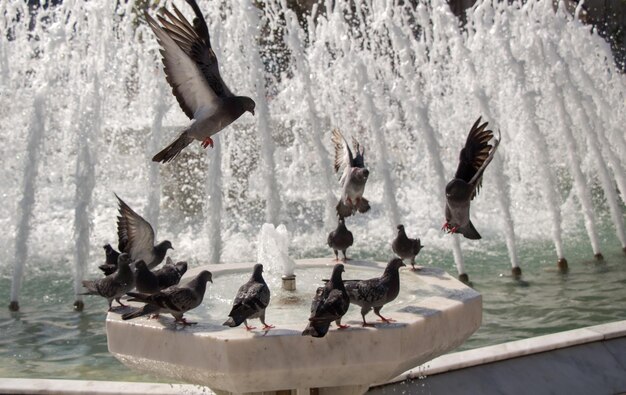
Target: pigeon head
(166, 245)
(458, 189)
(123, 259)
(107, 248)
(247, 104)
(395, 264)
(181, 267)
(204, 276)
(141, 265)
(257, 272)
(400, 227)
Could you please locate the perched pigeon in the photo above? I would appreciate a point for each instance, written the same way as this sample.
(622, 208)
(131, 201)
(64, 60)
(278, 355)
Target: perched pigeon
(115, 285)
(170, 274)
(110, 265)
(406, 248)
(376, 292)
(136, 237)
(353, 178)
(192, 71)
(251, 301)
(174, 300)
(473, 160)
(340, 239)
(145, 281)
(329, 304)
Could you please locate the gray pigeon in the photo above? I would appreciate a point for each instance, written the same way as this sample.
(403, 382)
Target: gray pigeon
(251, 301)
(136, 237)
(115, 285)
(340, 239)
(170, 274)
(353, 177)
(406, 248)
(376, 292)
(329, 304)
(110, 265)
(145, 281)
(192, 71)
(473, 160)
(174, 300)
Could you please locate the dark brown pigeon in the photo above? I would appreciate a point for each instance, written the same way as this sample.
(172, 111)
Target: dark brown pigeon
(406, 248)
(473, 161)
(110, 265)
(171, 273)
(329, 304)
(251, 301)
(340, 239)
(192, 71)
(174, 300)
(136, 237)
(376, 292)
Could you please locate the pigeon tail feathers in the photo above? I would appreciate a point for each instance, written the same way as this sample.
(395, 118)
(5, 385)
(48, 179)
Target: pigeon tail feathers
(170, 152)
(469, 232)
(141, 311)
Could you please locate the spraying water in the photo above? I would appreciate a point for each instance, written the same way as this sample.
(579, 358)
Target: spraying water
(403, 78)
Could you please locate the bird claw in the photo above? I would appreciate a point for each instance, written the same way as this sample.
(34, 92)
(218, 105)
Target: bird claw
(268, 327)
(342, 326)
(185, 322)
(386, 320)
(249, 328)
(449, 228)
(207, 142)
(368, 324)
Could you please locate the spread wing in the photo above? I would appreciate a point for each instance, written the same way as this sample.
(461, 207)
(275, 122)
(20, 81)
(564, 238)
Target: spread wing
(343, 155)
(476, 155)
(135, 235)
(190, 64)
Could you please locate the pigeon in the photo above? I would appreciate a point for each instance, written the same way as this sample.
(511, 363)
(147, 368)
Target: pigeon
(110, 265)
(251, 301)
(340, 239)
(376, 292)
(192, 70)
(176, 300)
(406, 248)
(170, 274)
(329, 304)
(136, 237)
(115, 285)
(353, 178)
(145, 281)
(473, 160)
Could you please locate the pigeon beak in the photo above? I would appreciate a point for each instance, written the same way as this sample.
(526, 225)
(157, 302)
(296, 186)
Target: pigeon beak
(252, 112)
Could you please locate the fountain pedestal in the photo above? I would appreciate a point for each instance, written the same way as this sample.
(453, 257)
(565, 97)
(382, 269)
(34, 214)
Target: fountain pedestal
(236, 361)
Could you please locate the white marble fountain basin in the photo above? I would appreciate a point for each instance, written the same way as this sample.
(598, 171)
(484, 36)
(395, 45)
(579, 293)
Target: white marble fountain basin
(434, 313)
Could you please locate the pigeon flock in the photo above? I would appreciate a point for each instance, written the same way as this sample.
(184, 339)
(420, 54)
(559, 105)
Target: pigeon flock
(191, 68)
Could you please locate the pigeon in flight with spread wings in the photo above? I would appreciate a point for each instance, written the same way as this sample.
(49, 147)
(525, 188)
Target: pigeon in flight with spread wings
(473, 161)
(136, 237)
(192, 71)
(353, 177)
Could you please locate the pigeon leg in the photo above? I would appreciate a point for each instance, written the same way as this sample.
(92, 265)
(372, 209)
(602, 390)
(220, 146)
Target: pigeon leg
(248, 328)
(383, 319)
(266, 327)
(340, 326)
(345, 258)
(365, 323)
(336, 255)
(207, 142)
(185, 322)
(120, 302)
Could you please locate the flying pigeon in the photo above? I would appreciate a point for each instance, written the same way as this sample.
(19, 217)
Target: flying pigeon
(115, 285)
(353, 177)
(145, 281)
(174, 300)
(192, 71)
(406, 248)
(329, 304)
(473, 160)
(376, 292)
(136, 237)
(251, 301)
(340, 239)
(110, 265)
(170, 274)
